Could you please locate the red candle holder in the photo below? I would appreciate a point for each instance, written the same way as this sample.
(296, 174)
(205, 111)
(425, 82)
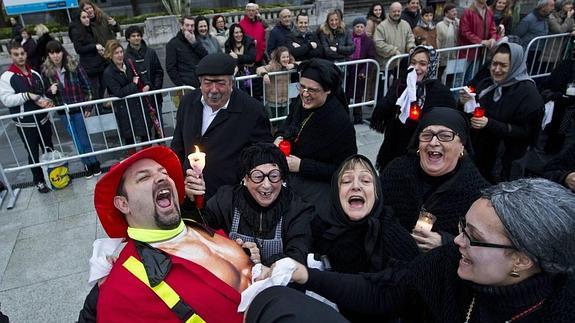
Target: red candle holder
(199, 199)
(414, 112)
(285, 147)
(479, 112)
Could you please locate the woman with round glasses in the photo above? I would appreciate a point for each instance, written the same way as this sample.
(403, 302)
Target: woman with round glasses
(435, 176)
(262, 211)
(319, 130)
(513, 262)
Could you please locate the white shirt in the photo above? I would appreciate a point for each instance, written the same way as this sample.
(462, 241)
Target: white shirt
(209, 115)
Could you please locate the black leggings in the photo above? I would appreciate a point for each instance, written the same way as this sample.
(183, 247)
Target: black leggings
(36, 139)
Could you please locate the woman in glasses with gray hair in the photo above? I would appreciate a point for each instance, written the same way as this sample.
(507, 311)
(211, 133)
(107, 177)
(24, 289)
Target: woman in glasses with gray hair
(261, 213)
(512, 262)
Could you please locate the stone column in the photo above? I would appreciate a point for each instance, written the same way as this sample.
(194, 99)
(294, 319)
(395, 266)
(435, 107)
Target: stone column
(159, 30)
(322, 7)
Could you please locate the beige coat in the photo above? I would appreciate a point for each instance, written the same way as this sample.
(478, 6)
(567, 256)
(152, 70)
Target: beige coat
(558, 24)
(277, 89)
(447, 33)
(392, 39)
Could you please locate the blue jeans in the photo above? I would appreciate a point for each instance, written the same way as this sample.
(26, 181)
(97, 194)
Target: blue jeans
(77, 129)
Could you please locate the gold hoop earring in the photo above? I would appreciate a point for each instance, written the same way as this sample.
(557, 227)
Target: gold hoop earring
(514, 273)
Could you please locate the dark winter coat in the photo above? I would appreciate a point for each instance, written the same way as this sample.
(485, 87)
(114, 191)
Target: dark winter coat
(296, 216)
(14, 94)
(305, 51)
(397, 135)
(120, 84)
(85, 46)
(553, 90)
(74, 88)
(241, 124)
(429, 290)
(278, 37)
(326, 139)
(406, 188)
(103, 31)
(559, 167)
(411, 18)
(249, 55)
(341, 41)
(41, 48)
(182, 59)
(514, 121)
(148, 66)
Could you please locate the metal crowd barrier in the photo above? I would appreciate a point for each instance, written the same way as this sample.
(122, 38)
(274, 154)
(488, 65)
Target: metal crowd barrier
(459, 64)
(104, 135)
(543, 53)
(361, 89)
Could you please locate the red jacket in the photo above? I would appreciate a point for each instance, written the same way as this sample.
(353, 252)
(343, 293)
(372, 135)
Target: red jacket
(473, 29)
(124, 298)
(257, 31)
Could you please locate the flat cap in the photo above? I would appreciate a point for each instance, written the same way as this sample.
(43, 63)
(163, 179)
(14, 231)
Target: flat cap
(216, 64)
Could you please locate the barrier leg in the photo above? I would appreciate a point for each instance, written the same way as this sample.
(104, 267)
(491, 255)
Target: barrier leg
(9, 193)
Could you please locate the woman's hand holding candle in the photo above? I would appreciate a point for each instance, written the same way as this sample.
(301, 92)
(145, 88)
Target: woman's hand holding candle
(293, 163)
(426, 240)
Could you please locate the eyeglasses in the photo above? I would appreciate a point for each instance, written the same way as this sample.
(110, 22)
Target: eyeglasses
(443, 135)
(474, 243)
(257, 176)
(309, 90)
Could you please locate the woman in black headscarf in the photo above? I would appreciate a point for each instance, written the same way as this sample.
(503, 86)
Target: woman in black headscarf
(320, 132)
(398, 113)
(435, 176)
(359, 234)
(513, 112)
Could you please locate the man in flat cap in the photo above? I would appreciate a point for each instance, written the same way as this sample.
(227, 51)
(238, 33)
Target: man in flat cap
(221, 120)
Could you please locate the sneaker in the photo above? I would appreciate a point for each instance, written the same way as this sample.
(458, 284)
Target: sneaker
(42, 188)
(96, 170)
(89, 172)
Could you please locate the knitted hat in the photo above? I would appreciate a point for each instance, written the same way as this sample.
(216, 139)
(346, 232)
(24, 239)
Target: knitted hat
(359, 20)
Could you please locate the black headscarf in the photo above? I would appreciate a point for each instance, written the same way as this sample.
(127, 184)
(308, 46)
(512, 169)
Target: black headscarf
(447, 117)
(327, 74)
(282, 304)
(340, 223)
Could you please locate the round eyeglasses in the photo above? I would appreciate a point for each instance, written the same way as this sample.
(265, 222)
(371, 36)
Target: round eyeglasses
(257, 176)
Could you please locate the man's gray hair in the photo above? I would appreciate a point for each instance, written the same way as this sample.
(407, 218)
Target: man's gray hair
(539, 217)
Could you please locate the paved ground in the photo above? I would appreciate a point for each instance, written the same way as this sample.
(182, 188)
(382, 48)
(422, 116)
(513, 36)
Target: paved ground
(46, 241)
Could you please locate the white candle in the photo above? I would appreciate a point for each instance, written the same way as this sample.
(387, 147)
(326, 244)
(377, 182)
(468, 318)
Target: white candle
(197, 161)
(425, 222)
(423, 225)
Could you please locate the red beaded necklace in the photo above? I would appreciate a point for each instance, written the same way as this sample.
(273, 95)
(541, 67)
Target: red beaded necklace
(514, 317)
